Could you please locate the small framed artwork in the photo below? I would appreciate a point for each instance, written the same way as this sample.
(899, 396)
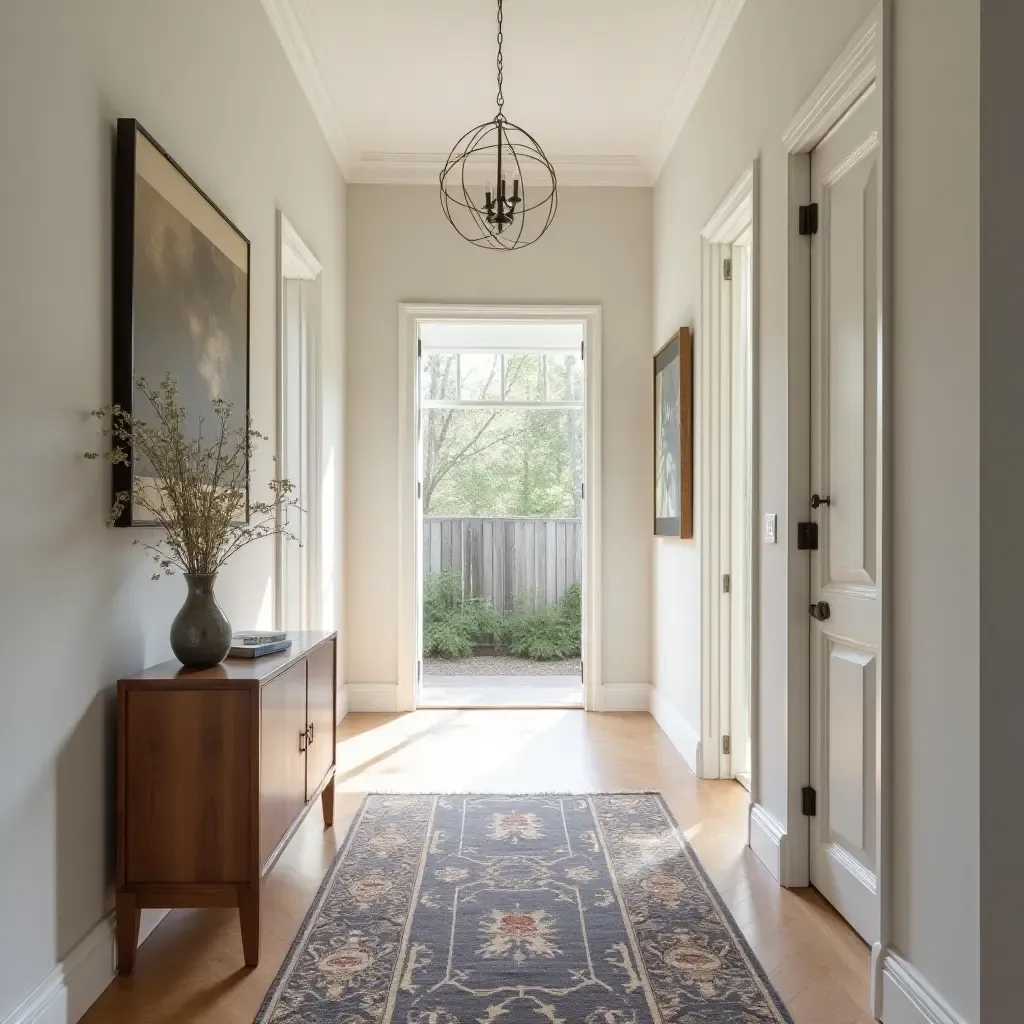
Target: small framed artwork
(673, 437)
(181, 297)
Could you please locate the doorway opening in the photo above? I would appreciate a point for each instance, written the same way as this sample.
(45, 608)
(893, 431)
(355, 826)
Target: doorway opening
(727, 485)
(847, 445)
(502, 489)
(839, 740)
(300, 551)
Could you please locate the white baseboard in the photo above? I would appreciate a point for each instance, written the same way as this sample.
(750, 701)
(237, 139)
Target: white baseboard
(65, 994)
(343, 702)
(624, 697)
(372, 696)
(768, 841)
(907, 998)
(683, 736)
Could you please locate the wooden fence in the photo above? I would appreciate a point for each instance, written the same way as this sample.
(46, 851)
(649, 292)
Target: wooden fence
(501, 559)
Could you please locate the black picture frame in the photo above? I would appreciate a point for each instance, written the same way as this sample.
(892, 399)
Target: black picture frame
(131, 140)
(675, 361)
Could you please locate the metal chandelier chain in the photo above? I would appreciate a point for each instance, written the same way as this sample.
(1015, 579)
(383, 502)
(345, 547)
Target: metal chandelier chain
(501, 97)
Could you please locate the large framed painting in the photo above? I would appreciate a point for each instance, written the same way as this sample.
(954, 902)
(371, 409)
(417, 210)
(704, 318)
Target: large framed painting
(673, 437)
(181, 297)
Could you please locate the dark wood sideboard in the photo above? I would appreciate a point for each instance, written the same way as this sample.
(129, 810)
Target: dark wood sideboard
(216, 768)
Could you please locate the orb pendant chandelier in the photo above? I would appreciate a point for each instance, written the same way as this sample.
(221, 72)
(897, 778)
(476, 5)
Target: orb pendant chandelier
(498, 189)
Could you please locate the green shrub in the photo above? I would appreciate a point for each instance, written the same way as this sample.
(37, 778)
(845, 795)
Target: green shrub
(453, 625)
(442, 593)
(571, 611)
(546, 634)
(447, 639)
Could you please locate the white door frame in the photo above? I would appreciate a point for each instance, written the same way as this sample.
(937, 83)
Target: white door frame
(735, 218)
(865, 61)
(410, 542)
(296, 262)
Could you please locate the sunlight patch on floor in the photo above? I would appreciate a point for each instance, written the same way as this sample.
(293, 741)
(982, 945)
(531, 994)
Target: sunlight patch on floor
(440, 751)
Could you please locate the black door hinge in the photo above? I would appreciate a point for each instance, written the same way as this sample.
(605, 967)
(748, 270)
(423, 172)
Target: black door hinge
(726, 745)
(807, 536)
(419, 346)
(809, 219)
(809, 800)
(727, 269)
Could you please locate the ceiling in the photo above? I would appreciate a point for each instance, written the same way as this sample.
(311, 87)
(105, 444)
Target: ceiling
(604, 85)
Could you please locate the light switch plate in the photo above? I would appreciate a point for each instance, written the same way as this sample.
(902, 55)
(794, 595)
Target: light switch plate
(771, 532)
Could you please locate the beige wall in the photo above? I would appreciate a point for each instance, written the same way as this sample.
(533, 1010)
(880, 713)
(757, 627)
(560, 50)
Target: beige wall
(775, 56)
(935, 478)
(403, 250)
(209, 79)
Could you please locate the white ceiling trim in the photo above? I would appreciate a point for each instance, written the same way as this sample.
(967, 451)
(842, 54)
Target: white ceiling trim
(424, 169)
(700, 51)
(294, 26)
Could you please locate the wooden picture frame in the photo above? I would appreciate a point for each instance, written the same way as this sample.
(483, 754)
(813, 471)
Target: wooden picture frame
(673, 437)
(181, 297)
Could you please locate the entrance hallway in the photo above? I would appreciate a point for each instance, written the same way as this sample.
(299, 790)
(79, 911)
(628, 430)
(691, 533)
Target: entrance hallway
(191, 968)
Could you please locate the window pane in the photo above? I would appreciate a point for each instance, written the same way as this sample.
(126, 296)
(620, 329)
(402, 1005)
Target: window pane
(565, 378)
(439, 378)
(481, 377)
(524, 378)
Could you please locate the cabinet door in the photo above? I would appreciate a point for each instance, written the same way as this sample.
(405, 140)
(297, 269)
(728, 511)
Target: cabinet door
(282, 757)
(320, 756)
(188, 786)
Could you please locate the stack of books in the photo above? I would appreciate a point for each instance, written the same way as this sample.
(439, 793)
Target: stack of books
(256, 644)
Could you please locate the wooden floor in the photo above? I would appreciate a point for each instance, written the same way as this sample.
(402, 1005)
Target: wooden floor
(191, 968)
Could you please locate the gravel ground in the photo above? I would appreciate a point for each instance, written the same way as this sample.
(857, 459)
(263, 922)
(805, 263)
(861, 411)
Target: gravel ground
(500, 665)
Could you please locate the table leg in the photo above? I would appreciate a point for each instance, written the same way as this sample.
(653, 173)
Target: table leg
(128, 915)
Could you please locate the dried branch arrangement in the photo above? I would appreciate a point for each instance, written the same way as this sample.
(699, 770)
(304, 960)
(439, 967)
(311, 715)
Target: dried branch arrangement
(199, 489)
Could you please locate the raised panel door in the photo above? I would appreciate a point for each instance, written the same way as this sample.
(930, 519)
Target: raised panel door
(846, 442)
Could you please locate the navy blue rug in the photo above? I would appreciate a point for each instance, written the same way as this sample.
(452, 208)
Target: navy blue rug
(554, 909)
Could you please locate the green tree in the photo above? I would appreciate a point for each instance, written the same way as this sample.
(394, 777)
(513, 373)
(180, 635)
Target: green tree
(504, 461)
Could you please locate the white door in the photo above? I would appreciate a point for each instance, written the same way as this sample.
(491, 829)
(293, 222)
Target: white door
(846, 442)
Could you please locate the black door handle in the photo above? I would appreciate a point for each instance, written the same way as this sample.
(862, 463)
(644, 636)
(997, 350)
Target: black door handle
(820, 611)
(817, 499)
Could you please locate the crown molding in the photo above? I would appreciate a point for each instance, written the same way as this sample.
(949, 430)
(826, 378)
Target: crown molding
(293, 25)
(697, 57)
(424, 168)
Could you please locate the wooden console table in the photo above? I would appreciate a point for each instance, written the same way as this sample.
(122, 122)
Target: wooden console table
(216, 769)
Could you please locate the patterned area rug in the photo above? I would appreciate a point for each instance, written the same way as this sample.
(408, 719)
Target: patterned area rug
(519, 910)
